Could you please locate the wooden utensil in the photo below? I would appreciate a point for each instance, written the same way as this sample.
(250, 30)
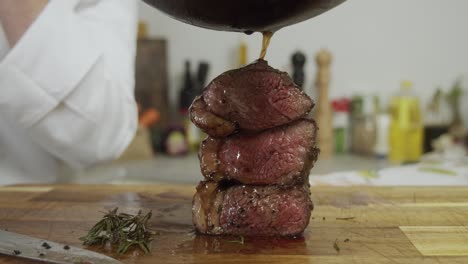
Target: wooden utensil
(324, 115)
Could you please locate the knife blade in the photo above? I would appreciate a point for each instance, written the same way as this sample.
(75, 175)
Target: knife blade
(22, 246)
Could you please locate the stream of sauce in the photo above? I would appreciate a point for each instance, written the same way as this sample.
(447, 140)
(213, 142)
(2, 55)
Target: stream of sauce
(207, 192)
(265, 44)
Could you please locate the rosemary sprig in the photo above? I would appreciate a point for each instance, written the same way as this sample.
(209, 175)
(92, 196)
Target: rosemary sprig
(121, 229)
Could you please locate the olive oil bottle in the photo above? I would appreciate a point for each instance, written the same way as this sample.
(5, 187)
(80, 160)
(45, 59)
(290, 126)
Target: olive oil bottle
(406, 126)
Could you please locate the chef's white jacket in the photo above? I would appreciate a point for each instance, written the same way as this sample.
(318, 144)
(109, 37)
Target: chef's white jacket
(66, 89)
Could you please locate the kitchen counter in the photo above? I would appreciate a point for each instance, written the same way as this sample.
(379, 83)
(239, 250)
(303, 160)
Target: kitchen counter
(349, 224)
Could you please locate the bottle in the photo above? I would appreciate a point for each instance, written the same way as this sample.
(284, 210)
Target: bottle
(298, 60)
(175, 141)
(202, 74)
(466, 142)
(142, 30)
(187, 93)
(437, 116)
(406, 126)
(341, 124)
(363, 125)
(457, 129)
(354, 116)
(194, 135)
(192, 86)
(382, 133)
(364, 129)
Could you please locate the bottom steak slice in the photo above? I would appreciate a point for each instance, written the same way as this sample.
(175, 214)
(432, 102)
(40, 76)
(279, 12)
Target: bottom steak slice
(249, 210)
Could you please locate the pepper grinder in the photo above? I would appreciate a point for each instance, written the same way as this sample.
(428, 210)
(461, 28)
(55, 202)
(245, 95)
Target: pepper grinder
(324, 110)
(298, 60)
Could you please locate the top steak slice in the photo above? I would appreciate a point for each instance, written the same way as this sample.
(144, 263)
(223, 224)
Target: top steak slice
(254, 98)
(209, 122)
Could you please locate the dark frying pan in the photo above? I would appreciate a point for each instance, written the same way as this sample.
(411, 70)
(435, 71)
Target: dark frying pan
(243, 15)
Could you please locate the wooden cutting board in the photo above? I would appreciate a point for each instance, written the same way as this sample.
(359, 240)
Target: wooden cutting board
(390, 225)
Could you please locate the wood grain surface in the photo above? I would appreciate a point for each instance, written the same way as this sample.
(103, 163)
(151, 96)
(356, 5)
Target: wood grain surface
(369, 225)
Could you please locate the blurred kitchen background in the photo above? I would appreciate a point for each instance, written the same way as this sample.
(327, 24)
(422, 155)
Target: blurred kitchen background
(398, 92)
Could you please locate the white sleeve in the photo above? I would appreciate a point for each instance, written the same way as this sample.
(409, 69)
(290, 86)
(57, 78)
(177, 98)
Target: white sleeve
(69, 81)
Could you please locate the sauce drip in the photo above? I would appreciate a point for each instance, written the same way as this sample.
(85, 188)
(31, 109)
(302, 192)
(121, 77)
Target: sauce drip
(265, 43)
(208, 191)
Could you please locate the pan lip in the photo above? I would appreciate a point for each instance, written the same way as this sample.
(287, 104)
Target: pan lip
(185, 14)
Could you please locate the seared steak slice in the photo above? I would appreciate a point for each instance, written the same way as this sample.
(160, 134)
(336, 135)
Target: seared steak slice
(282, 155)
(249, 210)
(255, 98)
(209, 122)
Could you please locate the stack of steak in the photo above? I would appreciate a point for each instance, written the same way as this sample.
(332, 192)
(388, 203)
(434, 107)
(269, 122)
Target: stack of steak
(258, 154)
